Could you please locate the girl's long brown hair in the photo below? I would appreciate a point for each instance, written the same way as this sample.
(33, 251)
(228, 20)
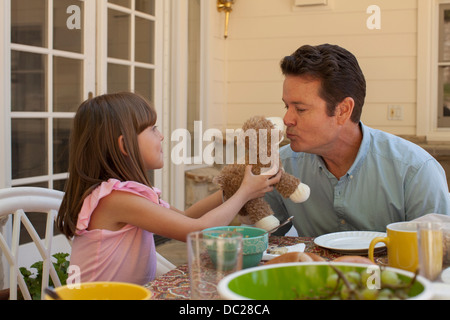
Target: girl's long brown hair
(95, 156)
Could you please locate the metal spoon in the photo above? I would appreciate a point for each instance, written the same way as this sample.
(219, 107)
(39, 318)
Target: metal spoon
(281, 224)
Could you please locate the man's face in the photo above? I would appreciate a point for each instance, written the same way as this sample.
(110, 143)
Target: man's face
(309, 127)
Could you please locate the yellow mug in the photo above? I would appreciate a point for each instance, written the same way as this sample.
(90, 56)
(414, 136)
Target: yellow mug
(402, 248)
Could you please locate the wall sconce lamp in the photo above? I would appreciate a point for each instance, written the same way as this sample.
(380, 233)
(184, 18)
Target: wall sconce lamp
(225, 5)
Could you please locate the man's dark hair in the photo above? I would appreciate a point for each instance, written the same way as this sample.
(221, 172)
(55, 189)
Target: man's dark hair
(336, 68)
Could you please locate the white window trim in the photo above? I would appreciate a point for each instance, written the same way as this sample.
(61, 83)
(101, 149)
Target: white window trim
(159, 103)
(5, 94)
(427, 77)
(175, 181)
(179, 67)
(162, 98)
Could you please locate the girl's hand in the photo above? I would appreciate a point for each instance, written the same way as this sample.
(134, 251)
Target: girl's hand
(256, 186)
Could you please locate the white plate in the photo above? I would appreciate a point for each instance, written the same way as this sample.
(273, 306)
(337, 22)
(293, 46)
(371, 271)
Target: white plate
(350, 241)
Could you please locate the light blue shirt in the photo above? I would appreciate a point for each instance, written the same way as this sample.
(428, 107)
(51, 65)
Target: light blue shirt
(391, 180)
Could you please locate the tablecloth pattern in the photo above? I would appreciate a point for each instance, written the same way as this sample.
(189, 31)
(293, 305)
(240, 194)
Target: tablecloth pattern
(174, 285)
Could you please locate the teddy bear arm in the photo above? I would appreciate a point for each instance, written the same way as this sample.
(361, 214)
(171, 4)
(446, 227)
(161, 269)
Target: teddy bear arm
(287, 185)
(257, 209)
(290, 186)
(260, 215)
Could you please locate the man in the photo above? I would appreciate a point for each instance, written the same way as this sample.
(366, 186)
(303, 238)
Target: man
(360, 178)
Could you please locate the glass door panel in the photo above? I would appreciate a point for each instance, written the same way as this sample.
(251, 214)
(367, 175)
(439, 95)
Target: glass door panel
(444, 67)
(65, 38)
(119, 34)
(28, 81)
(48, 84)
(29, 22)
(61, 134)
(55, 66)
(130, 61)
(145, 40)
(130, 58)
(146, 6)
(144, 79)
(444, 91)
(68, 84)
(118, 78)
(29, 148)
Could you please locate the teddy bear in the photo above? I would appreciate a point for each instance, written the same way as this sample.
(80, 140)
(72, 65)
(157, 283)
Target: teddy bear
(264, 146)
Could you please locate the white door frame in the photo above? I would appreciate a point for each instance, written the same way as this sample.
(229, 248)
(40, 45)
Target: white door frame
(176, 116)
(5, 93)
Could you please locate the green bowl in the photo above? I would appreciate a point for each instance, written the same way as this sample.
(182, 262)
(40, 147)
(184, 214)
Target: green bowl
(290, 281)
(225, 256)
(255, 242)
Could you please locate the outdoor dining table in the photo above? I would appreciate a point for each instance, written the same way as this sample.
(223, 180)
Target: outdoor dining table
(174, 285)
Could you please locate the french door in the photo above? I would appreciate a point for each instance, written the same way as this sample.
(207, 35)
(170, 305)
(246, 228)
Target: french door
(61, 52)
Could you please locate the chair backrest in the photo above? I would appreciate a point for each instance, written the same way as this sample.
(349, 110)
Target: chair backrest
(17, 201)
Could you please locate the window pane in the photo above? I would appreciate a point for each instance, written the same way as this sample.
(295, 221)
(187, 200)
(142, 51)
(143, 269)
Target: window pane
(64, 38)
(28, 81)
(444, 90)
(145, 40)
(29, 148)
(59, 184)
(61, 134)
(444, 25)
(118, 35)
(146, 6)
(68, 84)
(144, 83)
(29, 22)
(118, 78)
(123, 3)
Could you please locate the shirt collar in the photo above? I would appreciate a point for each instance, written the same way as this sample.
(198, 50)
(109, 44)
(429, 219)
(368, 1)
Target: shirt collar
(363, 150)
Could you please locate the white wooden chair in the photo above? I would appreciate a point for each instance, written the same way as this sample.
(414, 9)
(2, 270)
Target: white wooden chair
(17, 201)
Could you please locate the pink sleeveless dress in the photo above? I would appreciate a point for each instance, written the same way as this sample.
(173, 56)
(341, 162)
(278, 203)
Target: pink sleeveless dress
(126, 255)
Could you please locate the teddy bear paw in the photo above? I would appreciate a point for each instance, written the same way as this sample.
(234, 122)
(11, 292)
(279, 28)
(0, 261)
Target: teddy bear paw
(301, 194)
(268, 223)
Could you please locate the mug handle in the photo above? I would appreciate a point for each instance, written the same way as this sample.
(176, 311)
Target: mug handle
(372, 246)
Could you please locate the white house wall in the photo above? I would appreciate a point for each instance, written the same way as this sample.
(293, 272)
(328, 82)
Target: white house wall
(262, 32)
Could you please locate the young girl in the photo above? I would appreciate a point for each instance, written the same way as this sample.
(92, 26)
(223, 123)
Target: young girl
(110, 208)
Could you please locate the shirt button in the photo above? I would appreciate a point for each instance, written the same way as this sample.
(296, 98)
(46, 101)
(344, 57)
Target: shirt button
(343, 222)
